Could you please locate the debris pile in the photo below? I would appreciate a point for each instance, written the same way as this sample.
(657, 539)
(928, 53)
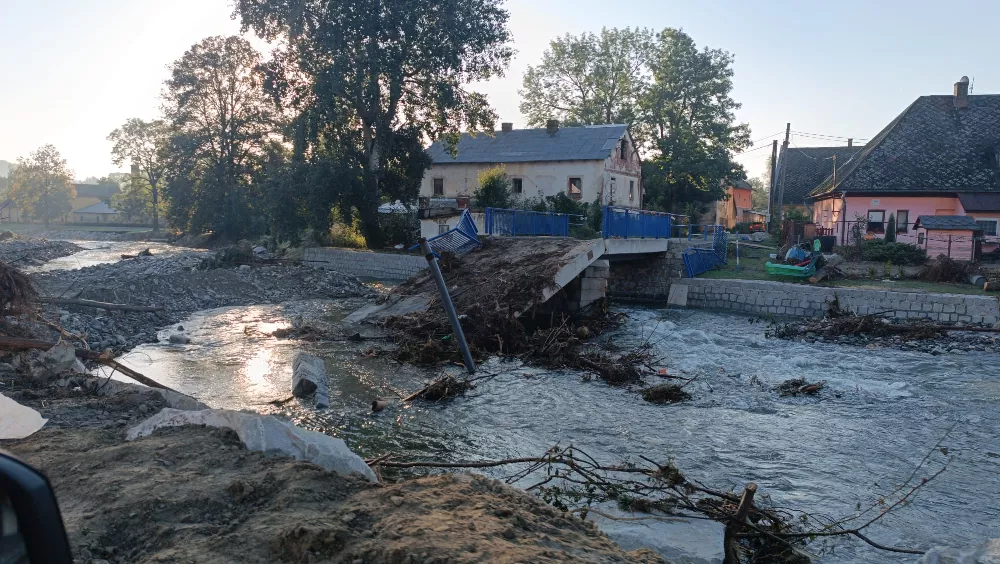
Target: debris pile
(23, 252)
(944, 269)
(17, 293)
(799, 386)
(665, 393)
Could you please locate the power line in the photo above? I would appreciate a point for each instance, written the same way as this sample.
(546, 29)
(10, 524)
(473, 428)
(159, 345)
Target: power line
(768, 137)
(824, 136)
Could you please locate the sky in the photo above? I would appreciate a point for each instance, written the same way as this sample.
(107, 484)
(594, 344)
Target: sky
(71, 71)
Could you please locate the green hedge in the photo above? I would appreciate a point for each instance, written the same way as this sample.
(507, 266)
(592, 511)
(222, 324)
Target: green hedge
(900, 254)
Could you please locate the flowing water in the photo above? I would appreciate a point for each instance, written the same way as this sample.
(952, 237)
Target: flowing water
(104, 252)
(880, 414)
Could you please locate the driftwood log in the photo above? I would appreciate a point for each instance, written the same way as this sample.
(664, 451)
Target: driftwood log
(98, 305)
(735, 525)
(832, 261)
(14, 343)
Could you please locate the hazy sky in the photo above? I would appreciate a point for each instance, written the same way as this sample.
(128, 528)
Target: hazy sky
(73, 70)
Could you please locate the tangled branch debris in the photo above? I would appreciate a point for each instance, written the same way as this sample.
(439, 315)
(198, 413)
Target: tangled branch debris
(665, 393)
(944, 269)
(17, 293)
(572, 480)
(874, 325)
(799, 386)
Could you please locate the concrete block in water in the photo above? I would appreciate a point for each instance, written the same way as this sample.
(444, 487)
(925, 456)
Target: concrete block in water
(309, 377)
(265, 434)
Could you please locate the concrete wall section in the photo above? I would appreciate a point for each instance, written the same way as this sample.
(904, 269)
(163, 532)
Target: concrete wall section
(781, 299)
(380, 266)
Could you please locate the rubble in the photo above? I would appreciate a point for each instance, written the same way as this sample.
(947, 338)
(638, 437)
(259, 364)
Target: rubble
(22, 251)
(54, 362)
(175, 283)
(309, 379)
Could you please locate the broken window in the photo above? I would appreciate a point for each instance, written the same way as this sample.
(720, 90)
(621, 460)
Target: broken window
(439, 186)
(576, 188)
(517, 184)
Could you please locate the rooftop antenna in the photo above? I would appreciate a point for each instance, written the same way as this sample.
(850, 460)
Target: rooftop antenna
(973, 85)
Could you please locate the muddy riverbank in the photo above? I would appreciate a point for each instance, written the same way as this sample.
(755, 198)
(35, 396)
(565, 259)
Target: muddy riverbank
(197, 495)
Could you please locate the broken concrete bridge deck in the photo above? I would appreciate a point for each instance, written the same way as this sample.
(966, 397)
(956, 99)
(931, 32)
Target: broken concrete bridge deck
(549, 264)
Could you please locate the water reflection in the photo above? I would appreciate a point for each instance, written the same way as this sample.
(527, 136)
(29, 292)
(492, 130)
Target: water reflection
(880, 413)
(105, 252)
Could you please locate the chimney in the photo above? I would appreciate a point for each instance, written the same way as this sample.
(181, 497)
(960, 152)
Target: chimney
(135, 170)
(507, 127)
(850, 142)
(962, 93)
(552, 126)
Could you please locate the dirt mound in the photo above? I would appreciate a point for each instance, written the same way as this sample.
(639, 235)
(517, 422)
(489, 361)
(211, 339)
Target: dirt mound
(22, 251)
(196, 495)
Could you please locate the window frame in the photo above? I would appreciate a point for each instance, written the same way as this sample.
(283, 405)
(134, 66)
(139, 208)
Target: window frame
(624, 150)
(434, 186)
(903, 226)
(631, 190)
(517, 185)
(996, 226)
(869, 228)
(578, 195)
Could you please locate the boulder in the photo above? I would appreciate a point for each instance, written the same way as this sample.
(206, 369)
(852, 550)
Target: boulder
(309, 378)
(986, 553)
(265, 433)
(55, 361)
(18, 421)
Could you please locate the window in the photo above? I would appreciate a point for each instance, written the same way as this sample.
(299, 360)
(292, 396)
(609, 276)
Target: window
(631, 190)
(903, 221)
(989, 226)
(876, 221)
(439, 186)
(920, 239)
(517, 184)
(624, 150)
(443, 228)
(576, 188)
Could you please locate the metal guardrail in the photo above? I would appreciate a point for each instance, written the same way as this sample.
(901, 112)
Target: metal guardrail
(627, 223)
(511, 223)
(462, 238)
(700, 260)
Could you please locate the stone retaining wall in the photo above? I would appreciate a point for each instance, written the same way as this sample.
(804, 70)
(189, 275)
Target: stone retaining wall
(364, 264)
(782, 299)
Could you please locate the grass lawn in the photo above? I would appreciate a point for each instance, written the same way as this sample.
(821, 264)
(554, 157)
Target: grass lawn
(752, 268)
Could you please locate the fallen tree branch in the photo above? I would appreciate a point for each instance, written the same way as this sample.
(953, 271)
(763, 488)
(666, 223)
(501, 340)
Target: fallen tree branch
(98, 305)
(32, 344)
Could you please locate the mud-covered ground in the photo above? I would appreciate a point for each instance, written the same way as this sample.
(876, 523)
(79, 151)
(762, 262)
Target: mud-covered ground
(176, 284)
(195, 494)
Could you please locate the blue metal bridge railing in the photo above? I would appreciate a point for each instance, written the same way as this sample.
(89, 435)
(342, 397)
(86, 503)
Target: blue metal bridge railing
(463, 238)
(627, 223)
(510, 223)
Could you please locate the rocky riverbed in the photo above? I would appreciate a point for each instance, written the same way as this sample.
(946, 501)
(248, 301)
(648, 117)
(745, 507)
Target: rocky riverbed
(880, 333)
(22, 252)
(177, 285)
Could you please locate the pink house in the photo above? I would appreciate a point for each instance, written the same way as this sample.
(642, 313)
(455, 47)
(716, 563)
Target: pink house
(940, 155)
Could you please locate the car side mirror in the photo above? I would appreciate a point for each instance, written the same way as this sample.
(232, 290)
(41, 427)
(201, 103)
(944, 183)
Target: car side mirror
(31, 527)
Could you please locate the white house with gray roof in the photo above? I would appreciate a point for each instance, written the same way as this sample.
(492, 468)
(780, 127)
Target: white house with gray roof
(597, 162)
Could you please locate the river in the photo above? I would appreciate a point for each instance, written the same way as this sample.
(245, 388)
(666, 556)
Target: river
(104, 252)
(881, 412)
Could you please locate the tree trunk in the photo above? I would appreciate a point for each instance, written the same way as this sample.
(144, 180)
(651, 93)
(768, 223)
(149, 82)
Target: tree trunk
(368, 211)
(156, 210)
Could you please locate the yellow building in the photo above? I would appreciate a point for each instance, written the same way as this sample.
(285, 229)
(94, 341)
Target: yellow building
(87, 196)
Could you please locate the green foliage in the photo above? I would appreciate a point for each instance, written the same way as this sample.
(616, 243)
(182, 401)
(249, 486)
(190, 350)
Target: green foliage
(687, 117)
(136, 201)
(346, 232)
(371, 78)
(798, 215)
(494, 190)
(142, 144)
(760, 193)
(588, 79)
(890, 230)
(42, 186)
(880, 250)
(400, 228)
(221, 121)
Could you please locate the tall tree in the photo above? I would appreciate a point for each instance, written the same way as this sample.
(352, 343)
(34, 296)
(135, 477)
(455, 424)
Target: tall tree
(759, 193)
(688, 121)
(378, 75)
(143, 144)
(222, 123)
(588, 79)
(42, 186)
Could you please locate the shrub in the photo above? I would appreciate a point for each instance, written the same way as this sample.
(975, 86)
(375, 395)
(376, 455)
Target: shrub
(742, 228)
(880, 250)
(494, 189)
(347, 236)
(402, 228)
(890, 230)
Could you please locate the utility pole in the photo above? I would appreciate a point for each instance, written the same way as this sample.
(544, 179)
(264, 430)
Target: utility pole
(770, 186)
(780, 199)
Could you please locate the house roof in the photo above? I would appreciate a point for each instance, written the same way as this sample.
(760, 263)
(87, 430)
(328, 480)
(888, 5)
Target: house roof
(742, 184)
(802, 169)
(980, 202)
(931, 147)
(103, 191)
(947, 222)
(588, 143)
(99, 207)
